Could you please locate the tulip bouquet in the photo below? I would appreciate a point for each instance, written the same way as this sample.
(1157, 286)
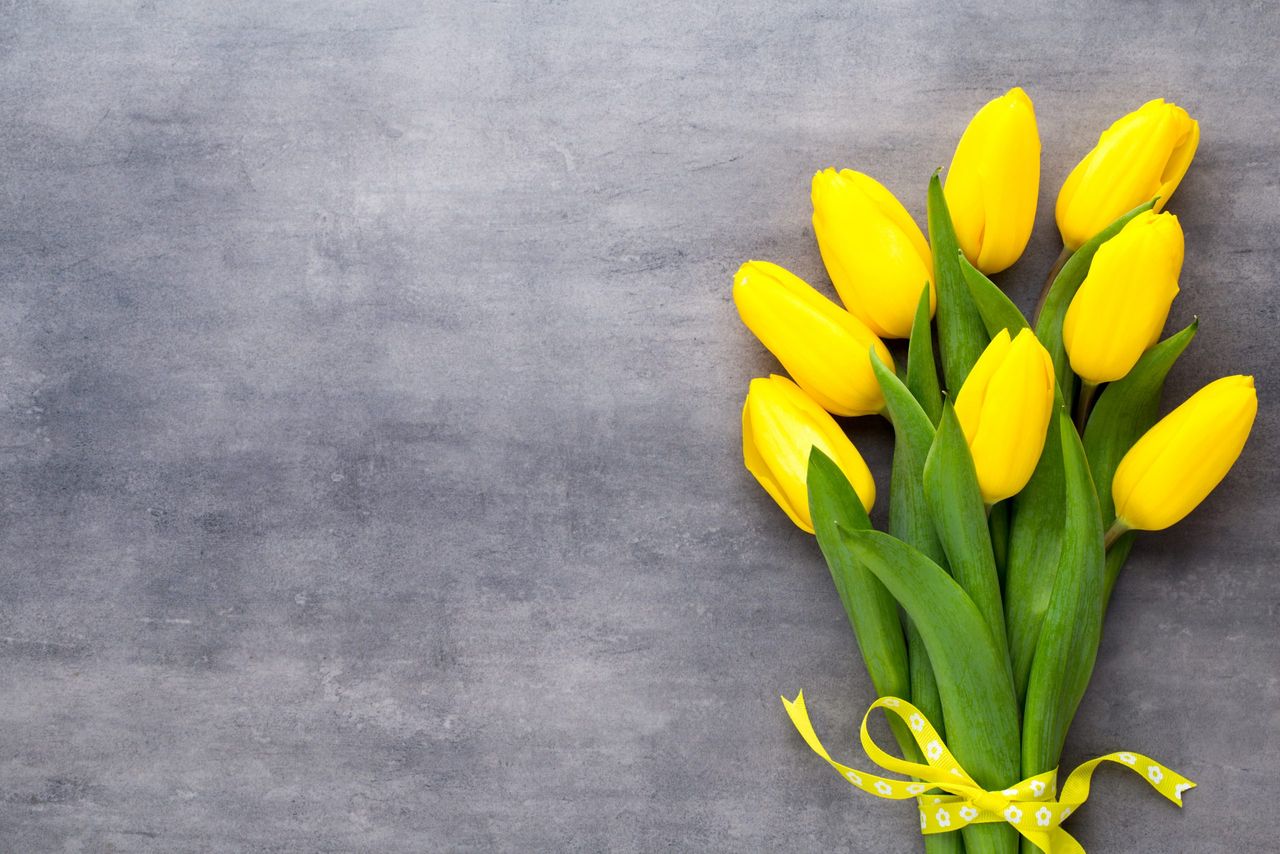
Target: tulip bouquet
(1019, 478)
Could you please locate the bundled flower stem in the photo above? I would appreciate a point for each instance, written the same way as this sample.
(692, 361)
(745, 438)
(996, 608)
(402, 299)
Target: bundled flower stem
(1009, 522)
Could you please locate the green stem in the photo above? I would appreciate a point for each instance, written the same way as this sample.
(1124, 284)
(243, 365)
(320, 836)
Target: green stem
(1118, 529)
(998, 522)
(1087, 391)
(1063, 257)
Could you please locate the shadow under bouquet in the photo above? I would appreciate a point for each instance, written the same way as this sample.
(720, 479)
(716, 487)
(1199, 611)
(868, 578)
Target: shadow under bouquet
(1020, 476)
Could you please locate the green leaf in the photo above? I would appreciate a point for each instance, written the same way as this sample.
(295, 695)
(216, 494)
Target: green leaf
(1073, 621)
(961, 334)
(1035, 542)
(1063, 290)
(977, 694)
(909, 521)
(972, 678)
(1125, 410)
(872, 612)
(997, 310)
(955, 504)
(922, 373)
(909, 518)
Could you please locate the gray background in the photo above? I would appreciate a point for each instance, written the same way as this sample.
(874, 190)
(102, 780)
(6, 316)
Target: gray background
(369, 398)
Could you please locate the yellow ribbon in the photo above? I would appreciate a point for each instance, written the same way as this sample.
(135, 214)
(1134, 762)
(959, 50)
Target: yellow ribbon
(1029, 806)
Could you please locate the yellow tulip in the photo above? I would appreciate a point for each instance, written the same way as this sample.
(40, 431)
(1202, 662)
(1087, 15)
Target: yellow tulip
(876, 255)
(780, 425)
(1179, 461)
(826, 349)
(1004, 408)
(1122, 305)
(994, 180)
(1142, 155)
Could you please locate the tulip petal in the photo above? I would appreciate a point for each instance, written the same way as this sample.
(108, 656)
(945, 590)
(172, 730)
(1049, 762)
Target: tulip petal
(822, 346)
(1121, 307)
(872, 249)
(1049, 321)
(1180, 460)
(1142, 155)
(756, 464)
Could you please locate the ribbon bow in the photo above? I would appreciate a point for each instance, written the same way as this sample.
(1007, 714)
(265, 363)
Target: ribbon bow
(1029, 806)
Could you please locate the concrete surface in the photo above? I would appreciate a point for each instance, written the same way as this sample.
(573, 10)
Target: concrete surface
(369, 395)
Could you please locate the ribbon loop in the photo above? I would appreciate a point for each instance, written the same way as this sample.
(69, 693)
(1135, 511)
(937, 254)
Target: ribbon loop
(1029, 806)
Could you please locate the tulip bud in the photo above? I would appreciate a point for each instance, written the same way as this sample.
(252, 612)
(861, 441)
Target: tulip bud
(1004, 408)
(994, 180)
(1121, 306)
(1179, 461)
(1142, 155)
(826, 349)
(780, 426)
(876, 255)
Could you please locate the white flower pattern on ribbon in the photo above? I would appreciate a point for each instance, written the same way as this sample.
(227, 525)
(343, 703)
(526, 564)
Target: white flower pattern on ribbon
(944, 818)
(892, 702)
(1154, 773)
(1010, 793)
(933, 749)
(1179, 789)
(1066, 812)
(853, 777)
(1037, 787)
(1127, 758)
(968, 813)
(917, 723)
(1013, 815)
(883, 788)
(915, 788)
(924, 822)
(1043, 816)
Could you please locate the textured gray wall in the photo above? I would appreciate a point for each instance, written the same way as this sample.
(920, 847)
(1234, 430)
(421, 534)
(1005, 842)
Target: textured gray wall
(369, 398)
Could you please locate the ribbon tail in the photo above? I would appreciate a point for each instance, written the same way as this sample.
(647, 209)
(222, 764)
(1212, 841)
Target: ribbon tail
(800, 719)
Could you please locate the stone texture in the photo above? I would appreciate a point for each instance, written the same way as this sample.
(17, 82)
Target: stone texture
(369, 398)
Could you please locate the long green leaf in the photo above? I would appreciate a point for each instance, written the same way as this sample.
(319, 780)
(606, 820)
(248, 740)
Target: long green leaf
(955, 504)
(1125, 410)
(913, 432)
(909, 521)
(872, 611)
(1072, 626)
(997, 310)
(973, 678)
(1063, 290)
(961, 334)
(1035, 543)
(922, 372)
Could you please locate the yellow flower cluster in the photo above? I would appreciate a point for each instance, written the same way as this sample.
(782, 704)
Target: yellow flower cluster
(1014, 489)
(880, 262)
